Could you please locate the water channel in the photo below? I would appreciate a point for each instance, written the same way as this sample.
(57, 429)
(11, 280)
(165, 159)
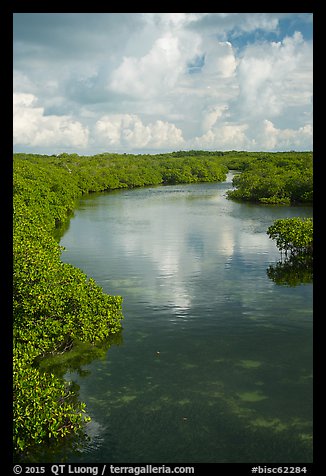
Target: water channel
(215, 359)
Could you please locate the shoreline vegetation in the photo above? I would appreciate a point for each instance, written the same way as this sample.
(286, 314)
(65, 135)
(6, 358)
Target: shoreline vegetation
(56, 306)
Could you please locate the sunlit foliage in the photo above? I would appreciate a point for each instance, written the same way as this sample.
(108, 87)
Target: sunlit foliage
(278, 178)
(293, 235)
(55, 304)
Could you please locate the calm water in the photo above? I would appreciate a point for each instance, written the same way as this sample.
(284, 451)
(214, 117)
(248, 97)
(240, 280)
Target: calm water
(215, 363)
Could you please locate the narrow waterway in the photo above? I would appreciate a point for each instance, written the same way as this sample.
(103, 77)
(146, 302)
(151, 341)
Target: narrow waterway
(215, 359)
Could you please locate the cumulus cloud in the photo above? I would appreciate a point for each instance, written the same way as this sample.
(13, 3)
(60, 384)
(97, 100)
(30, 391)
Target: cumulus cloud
(275, 75)
(157, 70)
(212, 115)
(283, 139)
(163, 81)
(225, 137)
(32, 127)
(127, 130)
(271, 82)
(220, 60)
(263, 135)
(172, 20)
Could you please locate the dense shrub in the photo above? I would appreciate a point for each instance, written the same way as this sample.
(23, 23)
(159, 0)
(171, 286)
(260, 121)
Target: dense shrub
(293, 235)
(279, 178)
(56, 304)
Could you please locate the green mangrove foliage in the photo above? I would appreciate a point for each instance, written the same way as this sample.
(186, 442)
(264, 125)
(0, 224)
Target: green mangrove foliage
(55, 305)
(293, 235)
(279, 178)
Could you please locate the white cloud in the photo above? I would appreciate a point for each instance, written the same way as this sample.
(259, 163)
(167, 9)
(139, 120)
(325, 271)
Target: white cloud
(270, 80)
(211, 116)
(161, 80)
(224, 137)
(156, 71)
(274, 76)
(220, 60)
(283, 139)
(263, 135)
(128, 130)
(172, 20)
(33, 128)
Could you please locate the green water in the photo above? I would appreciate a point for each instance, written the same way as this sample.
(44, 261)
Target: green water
(215, 359)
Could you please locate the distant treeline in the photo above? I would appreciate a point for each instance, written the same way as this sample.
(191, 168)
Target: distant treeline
(55, 304)
(278, 178)
(267, 177)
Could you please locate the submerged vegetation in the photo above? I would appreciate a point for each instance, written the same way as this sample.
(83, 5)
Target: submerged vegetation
(55, 304)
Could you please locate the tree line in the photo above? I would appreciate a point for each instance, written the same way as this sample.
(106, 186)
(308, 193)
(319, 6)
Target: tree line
(279, 178)
(55, 305)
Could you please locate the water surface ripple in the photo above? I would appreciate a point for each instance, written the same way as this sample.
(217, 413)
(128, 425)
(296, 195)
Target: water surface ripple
(216, 359)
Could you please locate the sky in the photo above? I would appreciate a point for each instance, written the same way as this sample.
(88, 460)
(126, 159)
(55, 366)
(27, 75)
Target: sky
(89, 83)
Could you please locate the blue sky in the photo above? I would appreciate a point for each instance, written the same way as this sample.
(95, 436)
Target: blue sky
(157, 82)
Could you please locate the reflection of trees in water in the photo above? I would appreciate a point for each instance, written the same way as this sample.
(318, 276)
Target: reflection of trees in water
(81, 353)
(295, 270)
(72, 361)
